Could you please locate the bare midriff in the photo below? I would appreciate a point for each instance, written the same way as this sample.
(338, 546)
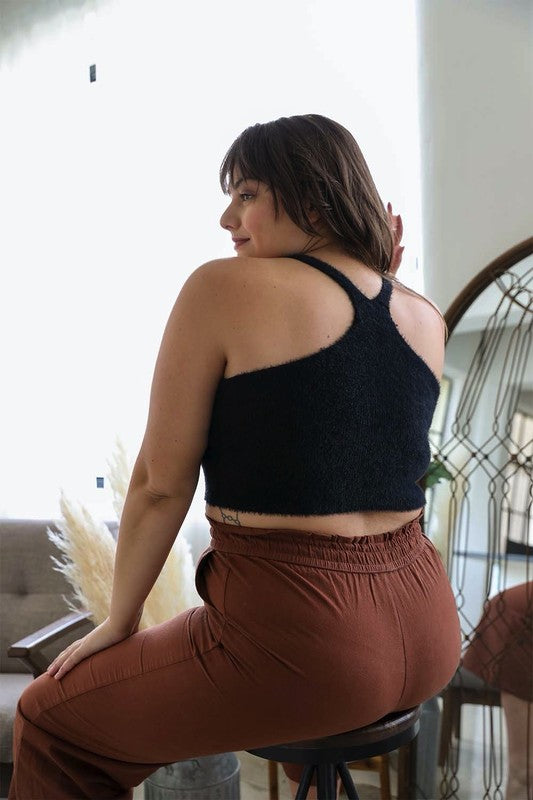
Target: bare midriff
(359, 523)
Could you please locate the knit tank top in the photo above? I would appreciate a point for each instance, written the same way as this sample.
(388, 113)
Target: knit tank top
(343, 429)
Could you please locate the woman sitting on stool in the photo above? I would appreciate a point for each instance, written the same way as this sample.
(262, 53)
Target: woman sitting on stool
(302, 377)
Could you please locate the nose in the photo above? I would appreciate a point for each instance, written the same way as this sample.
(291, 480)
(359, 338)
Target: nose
(228, 219)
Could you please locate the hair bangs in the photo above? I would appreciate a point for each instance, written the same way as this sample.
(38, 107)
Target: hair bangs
(246, 155)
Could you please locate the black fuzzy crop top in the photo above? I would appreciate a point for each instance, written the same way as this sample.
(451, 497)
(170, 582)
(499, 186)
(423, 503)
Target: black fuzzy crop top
(343, 429)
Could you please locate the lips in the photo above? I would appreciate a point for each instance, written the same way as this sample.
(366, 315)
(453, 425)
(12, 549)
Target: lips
(238, 242)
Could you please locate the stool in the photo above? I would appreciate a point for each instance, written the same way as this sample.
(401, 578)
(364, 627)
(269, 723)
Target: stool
(330, 754)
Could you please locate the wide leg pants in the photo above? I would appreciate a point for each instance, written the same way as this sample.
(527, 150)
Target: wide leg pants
(501, 648)
(301, 635)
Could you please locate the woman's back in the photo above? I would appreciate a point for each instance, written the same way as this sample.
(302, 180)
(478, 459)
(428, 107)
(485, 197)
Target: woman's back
(277, 310)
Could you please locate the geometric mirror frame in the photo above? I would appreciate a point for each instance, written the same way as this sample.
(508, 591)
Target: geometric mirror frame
(478, 515)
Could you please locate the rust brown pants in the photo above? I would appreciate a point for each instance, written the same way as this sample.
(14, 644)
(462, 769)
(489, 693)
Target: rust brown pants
(501, 650)
(301, 635)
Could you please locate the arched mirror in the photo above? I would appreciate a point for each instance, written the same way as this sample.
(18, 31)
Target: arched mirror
(479, 512)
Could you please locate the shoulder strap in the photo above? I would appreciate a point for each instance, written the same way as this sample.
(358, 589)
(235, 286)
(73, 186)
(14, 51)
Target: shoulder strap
(355, 294)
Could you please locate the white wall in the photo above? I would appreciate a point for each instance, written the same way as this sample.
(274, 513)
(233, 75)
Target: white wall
(109, 194)
(476, 128)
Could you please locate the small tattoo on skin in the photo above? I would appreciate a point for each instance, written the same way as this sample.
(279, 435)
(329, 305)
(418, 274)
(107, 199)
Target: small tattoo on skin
(229, 518)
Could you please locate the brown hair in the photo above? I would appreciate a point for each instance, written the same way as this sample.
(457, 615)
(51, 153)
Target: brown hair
(310, 162)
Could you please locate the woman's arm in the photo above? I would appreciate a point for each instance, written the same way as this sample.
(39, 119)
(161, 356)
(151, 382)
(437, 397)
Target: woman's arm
(148, 528)
(191, 361)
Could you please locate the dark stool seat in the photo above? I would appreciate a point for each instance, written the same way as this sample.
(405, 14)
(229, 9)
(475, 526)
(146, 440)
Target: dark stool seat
(329, 755)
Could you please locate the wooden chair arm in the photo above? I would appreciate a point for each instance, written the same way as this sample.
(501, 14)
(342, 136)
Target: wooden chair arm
(29, 649)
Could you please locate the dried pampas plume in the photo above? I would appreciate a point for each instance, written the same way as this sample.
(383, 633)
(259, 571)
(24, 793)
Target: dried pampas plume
(89, 550)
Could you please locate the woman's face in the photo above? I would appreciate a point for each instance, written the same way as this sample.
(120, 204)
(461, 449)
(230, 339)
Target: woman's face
(251, 221)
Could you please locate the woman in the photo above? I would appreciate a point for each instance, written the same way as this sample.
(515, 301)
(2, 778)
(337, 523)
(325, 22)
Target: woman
(304, 384)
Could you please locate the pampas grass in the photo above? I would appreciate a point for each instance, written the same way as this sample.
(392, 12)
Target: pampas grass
(174, 590)
(89, 550)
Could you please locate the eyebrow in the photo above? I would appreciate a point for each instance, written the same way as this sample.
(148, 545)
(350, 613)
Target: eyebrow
(243, 179)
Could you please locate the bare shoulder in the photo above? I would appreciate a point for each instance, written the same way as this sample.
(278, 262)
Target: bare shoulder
(230, 266)
(421, 323)
(228, 274)
(239, 283)
(423, 311)
(209, 288)
(233, 295)
(211, 274)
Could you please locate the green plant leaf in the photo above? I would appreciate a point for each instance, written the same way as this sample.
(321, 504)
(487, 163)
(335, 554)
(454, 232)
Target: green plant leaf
(436, 471)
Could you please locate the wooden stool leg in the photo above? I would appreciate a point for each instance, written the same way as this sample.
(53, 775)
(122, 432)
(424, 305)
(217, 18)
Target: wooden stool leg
(273, 790)
(407, 771)
(384, 777)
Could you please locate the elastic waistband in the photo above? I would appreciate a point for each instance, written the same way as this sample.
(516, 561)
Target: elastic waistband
(382, 552)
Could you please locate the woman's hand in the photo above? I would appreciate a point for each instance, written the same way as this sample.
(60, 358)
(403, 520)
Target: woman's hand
(396, 226)
(100, 638)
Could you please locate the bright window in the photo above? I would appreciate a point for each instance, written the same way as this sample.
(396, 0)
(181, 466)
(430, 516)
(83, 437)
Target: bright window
(109, 196)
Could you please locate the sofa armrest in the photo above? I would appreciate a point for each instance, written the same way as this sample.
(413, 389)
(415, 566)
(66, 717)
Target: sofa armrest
(29, 649)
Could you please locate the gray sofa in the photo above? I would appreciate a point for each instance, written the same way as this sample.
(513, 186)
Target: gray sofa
(35, 622)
